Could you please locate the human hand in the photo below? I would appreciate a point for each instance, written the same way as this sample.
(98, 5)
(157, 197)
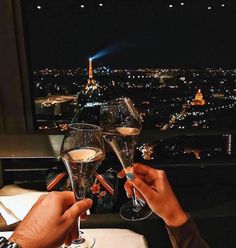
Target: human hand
(51, 221)
(154, 187)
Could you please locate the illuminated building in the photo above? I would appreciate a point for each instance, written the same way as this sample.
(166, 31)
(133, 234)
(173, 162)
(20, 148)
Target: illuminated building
(147, 151)
(91, 93)
(89, 100)
(198, 99)
(195, 151)
(91, 84)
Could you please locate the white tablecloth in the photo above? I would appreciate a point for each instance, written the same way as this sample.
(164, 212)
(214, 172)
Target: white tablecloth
(111, 238)
(14, 208)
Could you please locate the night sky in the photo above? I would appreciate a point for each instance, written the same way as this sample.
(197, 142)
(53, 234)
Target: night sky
(137, 33)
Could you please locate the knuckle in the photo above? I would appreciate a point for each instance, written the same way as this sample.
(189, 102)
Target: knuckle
(138, 183)
(83, 205)
(41, 198)
(137, 165)
(162, 174)
(52, 194)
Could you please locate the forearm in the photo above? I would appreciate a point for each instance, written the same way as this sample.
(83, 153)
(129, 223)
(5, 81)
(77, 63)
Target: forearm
(186, 235)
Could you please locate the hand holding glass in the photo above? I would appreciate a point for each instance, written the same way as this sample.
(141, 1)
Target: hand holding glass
(121, 123)
(82, 151)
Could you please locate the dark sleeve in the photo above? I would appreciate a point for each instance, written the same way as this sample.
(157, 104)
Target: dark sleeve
(186, 236)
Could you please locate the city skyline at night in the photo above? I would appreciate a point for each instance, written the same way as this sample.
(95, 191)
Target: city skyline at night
(156, 52)
(165, 98)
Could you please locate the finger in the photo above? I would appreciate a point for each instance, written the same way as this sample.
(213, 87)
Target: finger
(78, 208)
(149, 174)
(141, 169)
(139, 195)
(147, 192)
(129, 191)
(121, 174)
(68, 240)
(139, 175)
(128, 188)
(69, 197)
(74, 233)
(83, 217)
(153, 175)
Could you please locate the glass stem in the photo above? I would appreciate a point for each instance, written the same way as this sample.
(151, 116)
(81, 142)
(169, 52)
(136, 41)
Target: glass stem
(136, 205)
(78, 222)
(79, 240)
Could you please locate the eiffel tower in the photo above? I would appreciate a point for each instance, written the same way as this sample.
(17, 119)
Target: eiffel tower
(89, 100)
(91, 84)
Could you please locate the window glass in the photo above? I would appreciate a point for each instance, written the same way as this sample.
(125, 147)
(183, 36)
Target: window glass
(174, 59)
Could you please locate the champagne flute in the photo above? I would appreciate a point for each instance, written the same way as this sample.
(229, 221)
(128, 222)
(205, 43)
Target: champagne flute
(121, 124)
(82, 151)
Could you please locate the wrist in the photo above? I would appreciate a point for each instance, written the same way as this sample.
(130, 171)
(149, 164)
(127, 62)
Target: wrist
(16, 239)
(176, 219)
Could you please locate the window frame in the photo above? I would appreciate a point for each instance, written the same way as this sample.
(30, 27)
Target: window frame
(16, 115)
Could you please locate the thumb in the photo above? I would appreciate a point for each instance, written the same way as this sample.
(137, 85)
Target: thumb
(78, 209)
(146, 191)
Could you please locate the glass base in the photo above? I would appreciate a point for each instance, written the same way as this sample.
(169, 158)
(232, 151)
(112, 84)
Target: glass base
(129, 212)
(85, 241)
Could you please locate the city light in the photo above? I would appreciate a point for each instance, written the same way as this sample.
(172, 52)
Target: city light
(171, 93)
(189, 111)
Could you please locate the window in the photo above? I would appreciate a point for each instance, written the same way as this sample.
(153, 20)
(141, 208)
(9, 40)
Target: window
(175, 60)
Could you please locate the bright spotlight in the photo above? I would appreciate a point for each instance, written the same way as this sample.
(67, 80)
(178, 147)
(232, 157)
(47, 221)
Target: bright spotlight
(82, 6)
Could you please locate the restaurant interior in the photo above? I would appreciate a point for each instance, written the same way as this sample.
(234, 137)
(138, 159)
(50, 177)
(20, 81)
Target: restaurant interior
(200, 163)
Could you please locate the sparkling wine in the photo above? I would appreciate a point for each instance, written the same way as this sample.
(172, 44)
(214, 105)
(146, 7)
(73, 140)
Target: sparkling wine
(81, 165)
(122, 141)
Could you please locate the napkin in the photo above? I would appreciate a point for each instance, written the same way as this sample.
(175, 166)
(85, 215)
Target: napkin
(7, 215)
(15, 208)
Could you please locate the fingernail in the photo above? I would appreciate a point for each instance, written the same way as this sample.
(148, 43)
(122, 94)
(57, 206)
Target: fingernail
(128, 196)
(130, 176)
(89, 201)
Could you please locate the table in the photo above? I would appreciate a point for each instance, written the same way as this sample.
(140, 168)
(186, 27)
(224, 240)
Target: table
(109, 237)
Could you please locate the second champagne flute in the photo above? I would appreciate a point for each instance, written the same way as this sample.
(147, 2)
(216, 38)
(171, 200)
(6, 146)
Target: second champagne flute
(121, 123)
